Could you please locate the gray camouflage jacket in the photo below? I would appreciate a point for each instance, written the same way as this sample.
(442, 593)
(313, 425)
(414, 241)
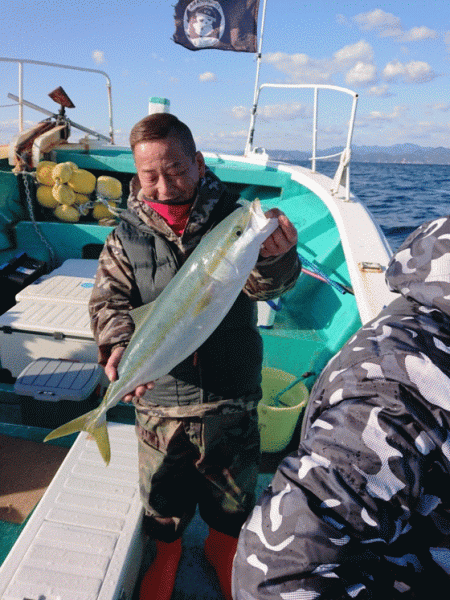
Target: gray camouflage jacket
(362, 509)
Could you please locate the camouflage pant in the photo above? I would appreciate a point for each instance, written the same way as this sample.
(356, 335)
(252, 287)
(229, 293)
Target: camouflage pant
(210, 461)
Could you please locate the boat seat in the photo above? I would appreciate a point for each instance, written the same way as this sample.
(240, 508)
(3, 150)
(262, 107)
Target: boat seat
(83, 540)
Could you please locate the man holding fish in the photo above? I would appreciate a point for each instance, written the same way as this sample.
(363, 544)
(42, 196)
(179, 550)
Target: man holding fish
(197, 425)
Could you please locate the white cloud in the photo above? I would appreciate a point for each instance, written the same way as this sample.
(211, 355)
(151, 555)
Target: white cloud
(361, 74)
(240, 113)
(342, 20)
(378, 118)
(284, 112)
(440, 106)
(207, 76)
(394, 70)
(447, 40)
(380, 91)
(98, 56)
(386, 24)
(167, 76)
(303, 69)
(274, 112)
(361, 51)
(222, 140)
(433, 134)
(415, 71)
(299, 67)
(242, 133)
(417, 34)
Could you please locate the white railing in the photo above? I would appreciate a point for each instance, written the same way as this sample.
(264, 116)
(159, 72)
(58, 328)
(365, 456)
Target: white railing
(21, 102)
(344, 155)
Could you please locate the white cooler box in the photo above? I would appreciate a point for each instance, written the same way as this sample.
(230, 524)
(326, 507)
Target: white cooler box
(71, 282)
(50, 319)
(56, 391)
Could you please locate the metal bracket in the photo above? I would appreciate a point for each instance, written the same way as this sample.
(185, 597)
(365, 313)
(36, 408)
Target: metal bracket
(370, 267)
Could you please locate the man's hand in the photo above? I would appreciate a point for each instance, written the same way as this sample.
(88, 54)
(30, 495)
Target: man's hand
(282, 239)
(111, 372)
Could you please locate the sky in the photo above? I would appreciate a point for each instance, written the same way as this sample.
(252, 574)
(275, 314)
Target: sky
(395, 55)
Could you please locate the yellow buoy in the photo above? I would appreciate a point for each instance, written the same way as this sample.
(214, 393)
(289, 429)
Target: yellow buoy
(67, 213)
(81, 199)
(44, 172)
(101, 211)
(63, 194)
(109, 187)
(62, 172)
(82, 181)
(44, 195)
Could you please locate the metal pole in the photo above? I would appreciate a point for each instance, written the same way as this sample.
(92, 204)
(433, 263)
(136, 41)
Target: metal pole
(349, 144)
(251, 131)
(110, 111)
(50, 114)
(314, 148)
(20, 97)
(21, 61)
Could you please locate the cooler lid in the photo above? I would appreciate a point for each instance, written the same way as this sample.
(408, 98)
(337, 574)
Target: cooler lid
(78, 267)
(52, 380)
(52, 318)
(62, 288)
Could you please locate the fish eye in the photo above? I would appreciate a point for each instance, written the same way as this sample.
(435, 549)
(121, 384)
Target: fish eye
(238, 232)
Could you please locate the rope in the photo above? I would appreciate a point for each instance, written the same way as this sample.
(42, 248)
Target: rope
(116, 211)
(343, 164)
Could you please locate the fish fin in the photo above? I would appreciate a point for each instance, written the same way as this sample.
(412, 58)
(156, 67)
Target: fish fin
(102, 439)
(140, 313)
(90, 424)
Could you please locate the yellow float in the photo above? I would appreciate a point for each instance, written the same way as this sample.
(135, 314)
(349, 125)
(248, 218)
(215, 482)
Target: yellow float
(82, 181)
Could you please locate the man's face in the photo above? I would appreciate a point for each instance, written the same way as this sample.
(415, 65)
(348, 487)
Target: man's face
(165, 172)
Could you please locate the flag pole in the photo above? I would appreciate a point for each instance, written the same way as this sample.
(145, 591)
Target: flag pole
(249, 144)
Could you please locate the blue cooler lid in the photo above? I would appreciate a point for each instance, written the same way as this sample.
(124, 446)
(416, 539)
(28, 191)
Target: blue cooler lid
(51, 379)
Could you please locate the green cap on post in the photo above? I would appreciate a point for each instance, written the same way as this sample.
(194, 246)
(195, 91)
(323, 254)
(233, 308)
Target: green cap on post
(158, 105)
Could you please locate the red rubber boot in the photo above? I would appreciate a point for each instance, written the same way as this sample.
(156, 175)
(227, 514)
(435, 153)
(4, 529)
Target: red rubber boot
(220, 549)
(159, 581)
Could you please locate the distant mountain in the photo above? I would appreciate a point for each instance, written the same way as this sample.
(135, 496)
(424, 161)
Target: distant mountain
(399, 153)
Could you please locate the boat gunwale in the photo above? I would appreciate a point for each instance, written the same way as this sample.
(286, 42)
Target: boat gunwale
(371, 246)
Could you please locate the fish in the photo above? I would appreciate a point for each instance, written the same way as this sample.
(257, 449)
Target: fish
(185, 313)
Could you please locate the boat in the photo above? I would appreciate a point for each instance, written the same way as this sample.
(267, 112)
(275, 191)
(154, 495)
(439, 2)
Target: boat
(56, 553)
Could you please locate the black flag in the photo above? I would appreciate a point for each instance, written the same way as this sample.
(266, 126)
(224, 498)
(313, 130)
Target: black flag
(217, 24)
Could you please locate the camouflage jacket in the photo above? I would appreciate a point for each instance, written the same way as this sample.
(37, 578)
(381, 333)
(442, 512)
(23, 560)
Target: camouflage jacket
(362, 510)
(116, 292)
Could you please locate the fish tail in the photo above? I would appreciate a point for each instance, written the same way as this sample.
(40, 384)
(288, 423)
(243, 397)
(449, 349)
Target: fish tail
(88, 422)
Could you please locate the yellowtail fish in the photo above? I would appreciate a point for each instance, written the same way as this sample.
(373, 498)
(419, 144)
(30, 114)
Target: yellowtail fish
(185, 314)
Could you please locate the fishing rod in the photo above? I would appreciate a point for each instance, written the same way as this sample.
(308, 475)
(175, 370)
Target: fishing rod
(313, 271)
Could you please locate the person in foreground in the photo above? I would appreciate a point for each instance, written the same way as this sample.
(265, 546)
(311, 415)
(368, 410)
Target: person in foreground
(197, 426)
(362, 509)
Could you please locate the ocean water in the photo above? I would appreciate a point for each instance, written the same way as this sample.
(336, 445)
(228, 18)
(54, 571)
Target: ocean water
(400, 196)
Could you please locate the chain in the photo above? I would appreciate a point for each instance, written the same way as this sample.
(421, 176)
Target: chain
(52, 256)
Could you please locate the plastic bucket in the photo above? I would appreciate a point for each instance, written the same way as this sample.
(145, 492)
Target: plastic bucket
(277, 423)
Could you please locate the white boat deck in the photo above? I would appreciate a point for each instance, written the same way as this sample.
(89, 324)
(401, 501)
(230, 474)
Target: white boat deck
(83, 541)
